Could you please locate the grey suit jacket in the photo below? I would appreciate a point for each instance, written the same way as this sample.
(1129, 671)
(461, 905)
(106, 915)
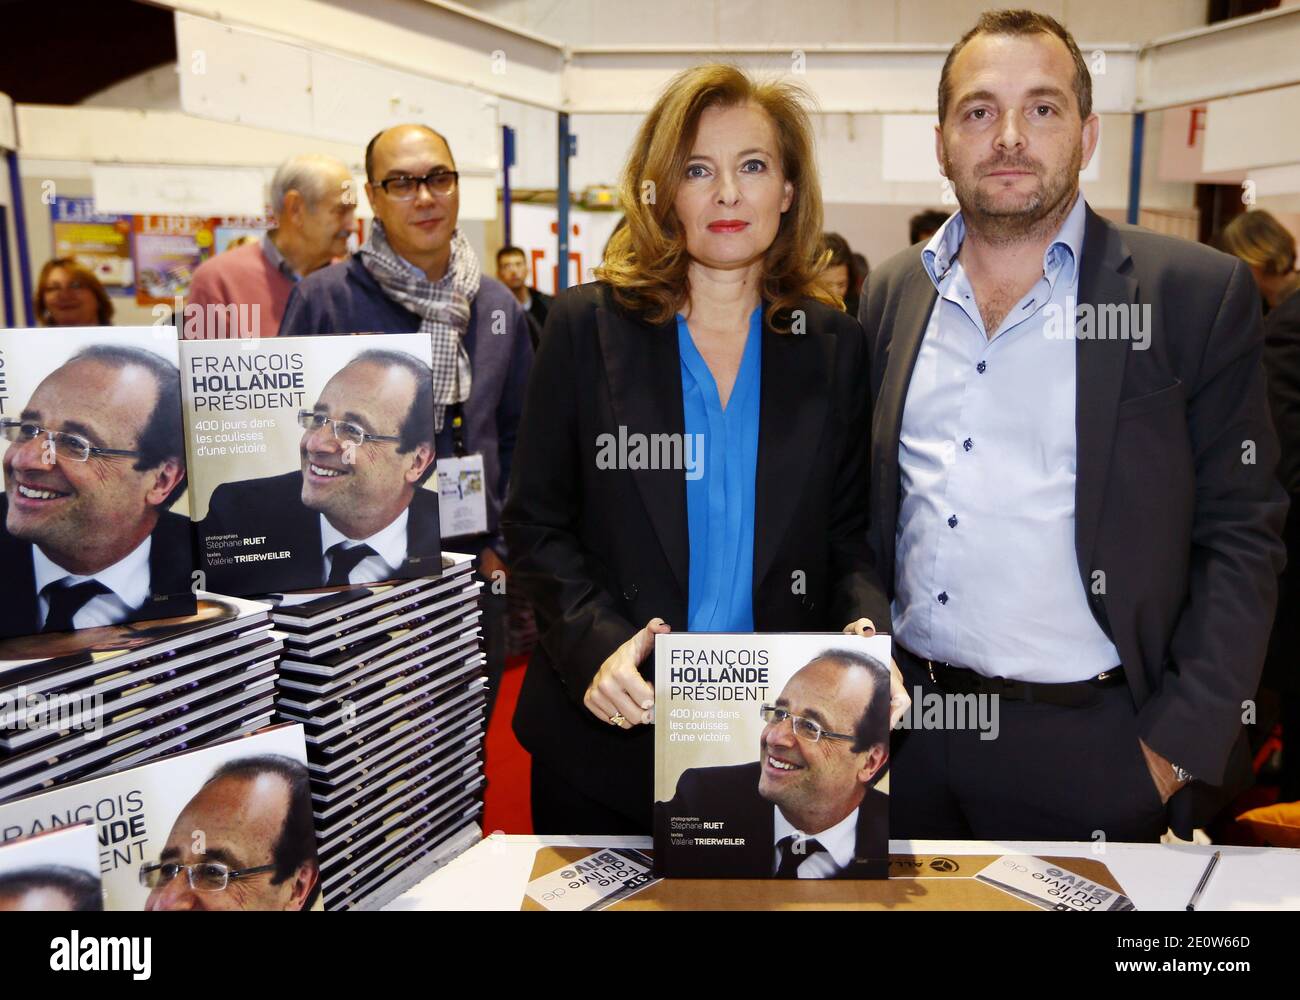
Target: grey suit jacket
(1178, 514)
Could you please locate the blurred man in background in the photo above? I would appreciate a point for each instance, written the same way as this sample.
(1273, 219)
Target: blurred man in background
(512, 270)
(315, 207)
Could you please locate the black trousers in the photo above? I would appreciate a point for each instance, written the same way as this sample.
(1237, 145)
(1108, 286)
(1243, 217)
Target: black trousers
(1290, 790)
(560, 809)
(1051, 773)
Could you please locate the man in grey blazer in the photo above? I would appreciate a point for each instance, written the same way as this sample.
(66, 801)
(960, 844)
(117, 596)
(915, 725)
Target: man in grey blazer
(1073, 497)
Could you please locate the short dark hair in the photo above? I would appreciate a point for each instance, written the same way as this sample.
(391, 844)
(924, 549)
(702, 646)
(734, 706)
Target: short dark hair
(921, 223)
(163, 436)
(417, 428)
(296, 844)
(507, 251)
(872, 728)
(370, 146)
(80, 886)
(1020, 22)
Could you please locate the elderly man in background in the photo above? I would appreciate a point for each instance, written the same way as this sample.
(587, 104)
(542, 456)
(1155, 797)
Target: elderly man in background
(314, 203)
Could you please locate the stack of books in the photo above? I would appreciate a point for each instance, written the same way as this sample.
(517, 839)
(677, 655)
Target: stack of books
(77, 705)
(388, 683)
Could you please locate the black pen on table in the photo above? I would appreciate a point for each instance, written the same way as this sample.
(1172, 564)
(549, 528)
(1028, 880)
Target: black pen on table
(1205, 880)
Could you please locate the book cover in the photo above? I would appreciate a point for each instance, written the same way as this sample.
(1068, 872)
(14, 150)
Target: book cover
(52, 872)
(311, 461)
(1051, 887)
(768, 753)
(94, 520)
(607, 876)
(227, 826)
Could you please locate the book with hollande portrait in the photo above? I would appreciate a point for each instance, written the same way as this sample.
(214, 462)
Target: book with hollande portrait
(94, 519)
(52, 872)
(311, 461)
(769, 752)
(226, 826)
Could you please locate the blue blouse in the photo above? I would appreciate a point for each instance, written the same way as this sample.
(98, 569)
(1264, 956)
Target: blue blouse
(720, 499)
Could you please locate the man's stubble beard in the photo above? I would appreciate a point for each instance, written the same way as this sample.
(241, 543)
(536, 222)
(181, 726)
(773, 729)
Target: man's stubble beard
(1039, 218)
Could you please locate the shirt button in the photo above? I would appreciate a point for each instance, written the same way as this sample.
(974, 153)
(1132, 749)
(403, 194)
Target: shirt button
(968, 444)
(943, 597)
(952, 521)
(981, 367)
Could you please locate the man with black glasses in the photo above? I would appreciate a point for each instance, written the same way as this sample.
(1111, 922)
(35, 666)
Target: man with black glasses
(807, 808)
(355, 511)
(95, 459)
(418, 272)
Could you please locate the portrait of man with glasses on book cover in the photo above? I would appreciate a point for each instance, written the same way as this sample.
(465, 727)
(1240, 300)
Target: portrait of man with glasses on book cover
(94, 524)
(808, 806)
(354, 509)
(244, 841)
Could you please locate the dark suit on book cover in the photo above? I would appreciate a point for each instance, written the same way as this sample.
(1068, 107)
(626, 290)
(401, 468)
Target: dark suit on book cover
(273, 507)
(730, 795)
(169, 576)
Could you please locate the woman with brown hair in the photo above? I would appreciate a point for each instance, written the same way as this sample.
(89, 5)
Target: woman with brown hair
(693, 449)
(68, 294)
(1268, 248)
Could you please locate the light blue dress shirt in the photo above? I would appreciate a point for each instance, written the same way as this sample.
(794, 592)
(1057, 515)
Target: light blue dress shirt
(720, 502)
(988, 577)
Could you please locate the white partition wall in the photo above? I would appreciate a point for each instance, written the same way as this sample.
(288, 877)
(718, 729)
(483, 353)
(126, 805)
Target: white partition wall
(260, 80)
(240, 75)
(442, 41)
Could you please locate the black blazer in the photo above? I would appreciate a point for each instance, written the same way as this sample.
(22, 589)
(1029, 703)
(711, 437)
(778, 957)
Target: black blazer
(169, 576)
(599, 552)
(273, 507)
(1282, 364)
(1168, 506)
(729, 795)
(539, 305)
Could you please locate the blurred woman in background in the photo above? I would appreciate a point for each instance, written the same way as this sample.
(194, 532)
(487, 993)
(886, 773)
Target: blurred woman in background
(838, 275)
(68, 294)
